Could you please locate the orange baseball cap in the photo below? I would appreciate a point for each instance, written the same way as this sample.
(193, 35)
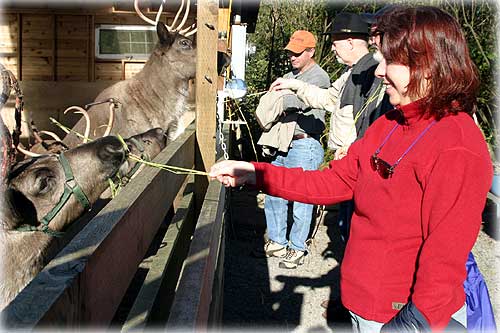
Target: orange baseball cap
(301, 40)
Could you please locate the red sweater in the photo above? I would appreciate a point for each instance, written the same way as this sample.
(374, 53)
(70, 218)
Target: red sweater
(411, 233)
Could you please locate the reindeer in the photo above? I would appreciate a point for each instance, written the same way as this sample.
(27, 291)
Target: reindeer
(33, 209)
(157, 96)
(145, 145)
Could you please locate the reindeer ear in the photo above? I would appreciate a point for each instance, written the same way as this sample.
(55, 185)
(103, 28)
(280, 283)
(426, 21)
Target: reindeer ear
(166, 37)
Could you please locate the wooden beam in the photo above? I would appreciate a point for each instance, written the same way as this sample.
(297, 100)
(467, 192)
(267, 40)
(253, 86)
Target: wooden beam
(206, 81)
(152, 304)
(198, 296)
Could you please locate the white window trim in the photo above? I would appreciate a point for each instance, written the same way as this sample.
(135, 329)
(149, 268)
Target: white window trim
(129, 56)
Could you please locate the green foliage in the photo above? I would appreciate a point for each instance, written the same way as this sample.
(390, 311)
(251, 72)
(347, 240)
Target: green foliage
(279, 19)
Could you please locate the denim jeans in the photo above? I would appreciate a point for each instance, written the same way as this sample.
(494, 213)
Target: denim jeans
(307, 154)
(361, 325)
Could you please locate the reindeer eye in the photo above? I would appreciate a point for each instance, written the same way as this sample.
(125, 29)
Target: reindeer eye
(148, 142)
(45, 181)
(185, 43)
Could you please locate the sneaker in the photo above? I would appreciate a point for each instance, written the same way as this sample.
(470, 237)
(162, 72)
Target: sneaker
(292, 259)
(270, 249)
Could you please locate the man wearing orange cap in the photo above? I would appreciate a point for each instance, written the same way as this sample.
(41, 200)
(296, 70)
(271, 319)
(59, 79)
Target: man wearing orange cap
(305, 151)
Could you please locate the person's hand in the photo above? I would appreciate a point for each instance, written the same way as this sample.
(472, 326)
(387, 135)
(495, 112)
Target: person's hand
(340, 153)
(282, 83)
(233, 173)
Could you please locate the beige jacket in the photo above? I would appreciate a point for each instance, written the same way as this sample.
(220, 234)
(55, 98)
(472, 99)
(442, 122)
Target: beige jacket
(342, 128)
(277, 134)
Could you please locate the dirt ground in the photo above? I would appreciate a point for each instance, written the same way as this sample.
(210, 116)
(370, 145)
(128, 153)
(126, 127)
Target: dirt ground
(260, 295)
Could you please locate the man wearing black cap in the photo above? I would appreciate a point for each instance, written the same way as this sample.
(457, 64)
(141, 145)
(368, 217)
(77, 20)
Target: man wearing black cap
(354, 99)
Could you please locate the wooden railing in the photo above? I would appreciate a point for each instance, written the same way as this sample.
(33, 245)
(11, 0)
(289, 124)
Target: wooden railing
(84, 284)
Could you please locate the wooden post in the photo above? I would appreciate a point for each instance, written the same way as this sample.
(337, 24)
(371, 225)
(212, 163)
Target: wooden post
(206, 81)
(206, 92)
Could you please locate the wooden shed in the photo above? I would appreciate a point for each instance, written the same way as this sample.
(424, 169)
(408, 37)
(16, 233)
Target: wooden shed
(58, 52)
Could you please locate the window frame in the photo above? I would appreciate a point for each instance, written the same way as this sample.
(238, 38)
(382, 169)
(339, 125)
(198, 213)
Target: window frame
(118, 56)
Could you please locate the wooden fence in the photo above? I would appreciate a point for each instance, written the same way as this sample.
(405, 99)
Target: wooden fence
(85, 283)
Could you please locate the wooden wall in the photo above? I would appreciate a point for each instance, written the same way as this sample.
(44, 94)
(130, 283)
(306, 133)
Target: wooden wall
(59, 46)
(52, 53)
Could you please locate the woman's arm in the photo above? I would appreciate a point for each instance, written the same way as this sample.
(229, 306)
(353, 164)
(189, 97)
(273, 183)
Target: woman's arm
(323, 187)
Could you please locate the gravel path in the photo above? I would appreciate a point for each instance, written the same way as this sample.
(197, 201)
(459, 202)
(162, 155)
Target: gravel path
(260, 295)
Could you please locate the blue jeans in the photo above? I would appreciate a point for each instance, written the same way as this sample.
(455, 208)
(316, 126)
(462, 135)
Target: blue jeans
(307, 154)
(361, 325)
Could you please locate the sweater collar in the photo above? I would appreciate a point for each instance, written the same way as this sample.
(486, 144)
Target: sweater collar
(412, 113)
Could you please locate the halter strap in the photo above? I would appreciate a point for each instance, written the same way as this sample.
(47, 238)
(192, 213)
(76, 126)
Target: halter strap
(70, 187)
(137, 165)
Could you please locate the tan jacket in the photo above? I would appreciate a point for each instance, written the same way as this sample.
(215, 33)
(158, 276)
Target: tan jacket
(277, 134)
(342, 128)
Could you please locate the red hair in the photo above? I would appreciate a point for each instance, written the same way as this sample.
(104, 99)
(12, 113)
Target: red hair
(431, 43)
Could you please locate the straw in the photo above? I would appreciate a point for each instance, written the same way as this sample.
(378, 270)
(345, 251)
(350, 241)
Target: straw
(169, 168)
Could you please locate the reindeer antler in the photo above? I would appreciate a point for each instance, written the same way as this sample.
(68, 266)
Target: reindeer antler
(172, 27)
(27, 152)
(113, 103)
(87, 118)
(51, 134)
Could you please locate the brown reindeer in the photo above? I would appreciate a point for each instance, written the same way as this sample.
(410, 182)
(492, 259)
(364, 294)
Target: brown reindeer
(29, 214)
(157, 96)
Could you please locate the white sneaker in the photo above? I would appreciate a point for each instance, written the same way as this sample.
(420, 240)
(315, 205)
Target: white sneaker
(270, 249)
(292, 259)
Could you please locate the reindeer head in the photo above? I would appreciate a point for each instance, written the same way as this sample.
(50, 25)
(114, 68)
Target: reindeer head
(175, 45)
(175, 52)
(36, 186)
(146, 145)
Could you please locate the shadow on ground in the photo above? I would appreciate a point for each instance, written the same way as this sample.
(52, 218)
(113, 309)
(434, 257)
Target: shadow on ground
(254, 300)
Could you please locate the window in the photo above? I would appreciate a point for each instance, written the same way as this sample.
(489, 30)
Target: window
(125, 41)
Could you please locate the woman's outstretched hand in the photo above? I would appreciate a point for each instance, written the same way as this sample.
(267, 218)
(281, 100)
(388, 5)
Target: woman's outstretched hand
(233, 173)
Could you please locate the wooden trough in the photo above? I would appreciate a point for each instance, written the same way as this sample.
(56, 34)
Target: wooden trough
(84, 284)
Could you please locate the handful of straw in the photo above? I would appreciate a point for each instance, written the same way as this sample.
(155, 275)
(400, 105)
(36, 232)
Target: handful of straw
(169, 168)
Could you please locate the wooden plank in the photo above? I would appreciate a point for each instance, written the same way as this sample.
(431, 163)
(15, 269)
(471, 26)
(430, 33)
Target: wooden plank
(108, 71)
(206, 81)
(86, 281)
(72, 27)
(54, 48)
(191, 309)
(91, 49)
(154, 300)
(37, 26)
(19, 47)
(223, 20)
(33, 44)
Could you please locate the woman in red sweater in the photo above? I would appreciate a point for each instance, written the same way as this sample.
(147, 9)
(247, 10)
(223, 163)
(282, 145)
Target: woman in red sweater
(419, 178)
